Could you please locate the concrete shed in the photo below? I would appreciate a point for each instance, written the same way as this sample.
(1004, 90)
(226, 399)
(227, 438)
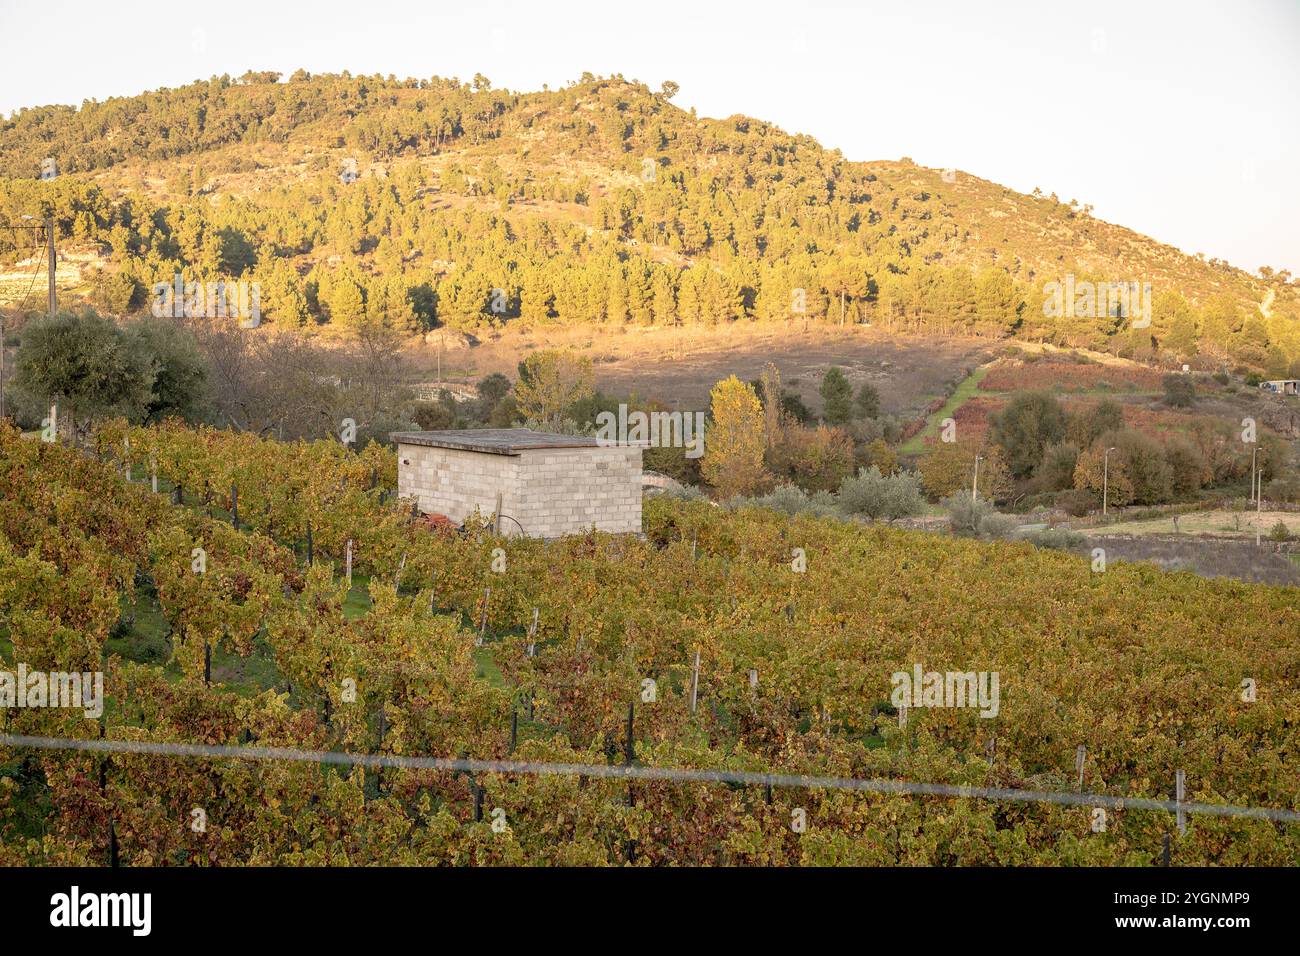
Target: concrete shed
(548, 485)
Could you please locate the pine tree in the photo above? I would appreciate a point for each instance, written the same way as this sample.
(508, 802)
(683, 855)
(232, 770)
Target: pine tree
(665, 298)
(616, 302)
(837, 397)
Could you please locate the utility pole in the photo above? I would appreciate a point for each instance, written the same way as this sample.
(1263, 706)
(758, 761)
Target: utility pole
(1105, 479)
(49, 233)
(1259, 501)
(975, 482)
(50, 243)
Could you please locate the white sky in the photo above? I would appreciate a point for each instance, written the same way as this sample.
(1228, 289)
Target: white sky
(1178, 119)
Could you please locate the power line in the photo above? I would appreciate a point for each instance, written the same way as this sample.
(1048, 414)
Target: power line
(49, 256)
(669, 774)
(35, 273)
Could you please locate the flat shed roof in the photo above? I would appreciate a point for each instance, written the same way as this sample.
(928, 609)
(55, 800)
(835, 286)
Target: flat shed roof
(494, 441)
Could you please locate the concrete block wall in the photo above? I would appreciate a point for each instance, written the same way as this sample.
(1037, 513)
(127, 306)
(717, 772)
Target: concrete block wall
(549, 491)
(570, 490)
(453, 482)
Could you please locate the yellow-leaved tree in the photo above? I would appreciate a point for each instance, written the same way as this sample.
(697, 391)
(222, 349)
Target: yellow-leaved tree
(1093, 472)
(551, 382)
(734, 444)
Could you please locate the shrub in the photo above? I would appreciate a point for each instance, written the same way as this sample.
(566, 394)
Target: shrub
(1030, 422)
(816, 459)
(1059, 539)
(950, 468)
(433, 416)
(1280, 532)
(1286, 488)
(1092, 474)
(1056, 473)
(505, 414)
(873, 495)
(1038, 501)
(1078, 501)
(882, 456)
(1088, 424)
(966, 514)
(786, 499)
(947, 469)
(823, 503)
(790, 500)
(1180, 391)
(998, 526)
(793, 406)
(976, 517)
(682, 493)
(1144, 464)
(491, 389)
(85, 358)
(1187, 468)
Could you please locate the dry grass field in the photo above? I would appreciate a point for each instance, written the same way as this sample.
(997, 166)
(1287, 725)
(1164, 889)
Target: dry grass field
(680, 365)
(1237, 524)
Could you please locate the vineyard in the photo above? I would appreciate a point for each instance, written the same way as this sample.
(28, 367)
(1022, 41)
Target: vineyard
(1064, 373)
(717, 641)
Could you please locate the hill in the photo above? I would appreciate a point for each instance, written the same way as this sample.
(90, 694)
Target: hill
(601, 202)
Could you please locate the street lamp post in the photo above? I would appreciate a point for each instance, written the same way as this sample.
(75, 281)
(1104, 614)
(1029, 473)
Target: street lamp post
(1259, 498)
(1105, 480)
(1253, 453)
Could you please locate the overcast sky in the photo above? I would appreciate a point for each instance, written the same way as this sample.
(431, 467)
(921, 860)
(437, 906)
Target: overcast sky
(1178, 119)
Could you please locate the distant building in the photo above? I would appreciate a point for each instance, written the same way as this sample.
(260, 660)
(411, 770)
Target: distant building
(542, 485)
(432, 391)
(1282, 386)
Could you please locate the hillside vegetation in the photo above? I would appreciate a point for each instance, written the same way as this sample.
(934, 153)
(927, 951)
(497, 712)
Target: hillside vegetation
(598, 203)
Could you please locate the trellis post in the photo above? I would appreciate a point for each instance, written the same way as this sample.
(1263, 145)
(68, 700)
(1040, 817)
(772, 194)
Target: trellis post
(695, 679)
(630, 748)
(1180, 793)
(482, 624)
